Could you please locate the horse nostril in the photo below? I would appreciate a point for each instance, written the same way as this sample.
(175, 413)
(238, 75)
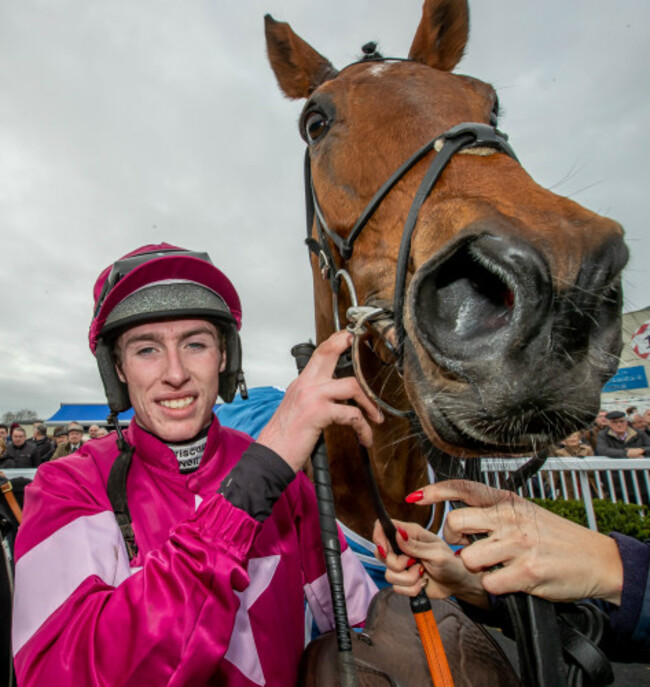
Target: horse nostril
(483, 295)
(465, 299)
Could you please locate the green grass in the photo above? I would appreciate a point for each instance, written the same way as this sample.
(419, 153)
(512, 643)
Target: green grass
(626, 518)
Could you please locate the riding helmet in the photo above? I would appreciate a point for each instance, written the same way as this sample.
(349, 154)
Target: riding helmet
(157, 282)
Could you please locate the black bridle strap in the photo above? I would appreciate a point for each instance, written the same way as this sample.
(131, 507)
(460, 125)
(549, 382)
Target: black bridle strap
(345, 246)
(463, 136)
(458, 138)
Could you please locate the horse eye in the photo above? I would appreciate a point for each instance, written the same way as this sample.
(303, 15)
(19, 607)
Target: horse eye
(314, 125)
(494, 115)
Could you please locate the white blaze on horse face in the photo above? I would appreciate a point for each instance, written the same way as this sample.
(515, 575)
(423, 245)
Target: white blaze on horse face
(377, 69)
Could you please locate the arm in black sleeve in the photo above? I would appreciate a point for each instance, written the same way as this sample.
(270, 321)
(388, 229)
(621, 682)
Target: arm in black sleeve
(257, 481)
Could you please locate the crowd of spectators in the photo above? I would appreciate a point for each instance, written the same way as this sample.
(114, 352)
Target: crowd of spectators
(17, 451)
(614, 434)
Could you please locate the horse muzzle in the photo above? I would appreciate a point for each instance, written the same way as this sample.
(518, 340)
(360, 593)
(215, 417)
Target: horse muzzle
(499, 353)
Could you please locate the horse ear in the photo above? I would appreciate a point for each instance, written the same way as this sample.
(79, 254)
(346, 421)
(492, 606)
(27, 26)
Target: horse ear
(299, 69)
(442, 35)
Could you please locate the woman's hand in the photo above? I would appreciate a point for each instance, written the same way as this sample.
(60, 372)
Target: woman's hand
(428, 562)
(541, 553)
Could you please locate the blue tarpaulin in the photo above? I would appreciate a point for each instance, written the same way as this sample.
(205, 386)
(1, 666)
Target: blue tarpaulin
(85, 414)
(251, 416)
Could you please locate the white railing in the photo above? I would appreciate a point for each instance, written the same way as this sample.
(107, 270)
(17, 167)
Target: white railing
(12, 473)
(614, 479)
(559, 478)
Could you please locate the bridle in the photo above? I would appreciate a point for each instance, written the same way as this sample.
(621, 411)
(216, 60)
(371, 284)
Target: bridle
(539, 652)
(468, 137)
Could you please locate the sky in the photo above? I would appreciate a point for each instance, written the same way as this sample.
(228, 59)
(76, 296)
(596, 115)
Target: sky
(124, 123)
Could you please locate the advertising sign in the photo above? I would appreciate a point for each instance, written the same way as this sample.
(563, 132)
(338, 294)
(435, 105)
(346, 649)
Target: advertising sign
(627, 378)
(641, 341)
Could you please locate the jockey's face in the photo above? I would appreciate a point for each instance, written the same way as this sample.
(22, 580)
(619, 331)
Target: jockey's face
(172, 373)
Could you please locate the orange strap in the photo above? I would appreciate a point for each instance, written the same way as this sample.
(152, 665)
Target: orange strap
(7, 490)
(433, 648)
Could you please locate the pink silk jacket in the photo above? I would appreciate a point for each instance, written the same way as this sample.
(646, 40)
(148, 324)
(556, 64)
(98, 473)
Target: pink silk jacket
(213, 597)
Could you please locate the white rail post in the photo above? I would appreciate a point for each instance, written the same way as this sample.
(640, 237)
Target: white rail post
(586, 498)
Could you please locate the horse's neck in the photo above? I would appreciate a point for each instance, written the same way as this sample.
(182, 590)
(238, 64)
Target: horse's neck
(399, 468)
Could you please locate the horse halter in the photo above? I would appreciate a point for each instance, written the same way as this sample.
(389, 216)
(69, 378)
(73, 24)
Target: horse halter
(468, 137)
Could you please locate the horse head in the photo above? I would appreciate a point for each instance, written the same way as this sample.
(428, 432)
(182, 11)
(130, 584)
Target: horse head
(509, 320)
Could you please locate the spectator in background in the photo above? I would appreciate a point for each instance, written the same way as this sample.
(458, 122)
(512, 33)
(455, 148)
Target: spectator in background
(631, 411)
(43, 444)
(93, 431)
(4, 432)
(573, 447)
(102, 432)
(640, 424)
(35, 424)
(74, 442)
(19, 453)
(621, 440)
(60, 435)
(600, 423)
(3, 449)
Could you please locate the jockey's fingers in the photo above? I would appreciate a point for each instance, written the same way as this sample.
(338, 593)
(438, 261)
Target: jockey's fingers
(352, 417)
(341, 390)
(324, 359)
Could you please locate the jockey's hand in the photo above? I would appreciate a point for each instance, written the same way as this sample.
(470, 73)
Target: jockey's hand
(541, 553)
(426, 562)
(315, 400)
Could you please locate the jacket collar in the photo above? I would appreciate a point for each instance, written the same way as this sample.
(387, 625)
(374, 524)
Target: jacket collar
(630, 434)
(155, 452)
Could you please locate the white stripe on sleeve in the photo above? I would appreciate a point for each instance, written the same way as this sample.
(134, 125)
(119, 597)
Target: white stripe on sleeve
(48, 574)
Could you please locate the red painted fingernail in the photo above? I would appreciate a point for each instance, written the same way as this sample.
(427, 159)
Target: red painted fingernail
(457, 552)
(415, 496)
(410, 562)
(382, 553)
(421, 571)
(403, 534)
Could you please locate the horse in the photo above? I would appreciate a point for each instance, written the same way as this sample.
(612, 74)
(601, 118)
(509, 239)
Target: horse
(486, 309)
(511, 297)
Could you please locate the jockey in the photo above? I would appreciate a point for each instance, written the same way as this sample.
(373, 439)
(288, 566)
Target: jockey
(180, 552)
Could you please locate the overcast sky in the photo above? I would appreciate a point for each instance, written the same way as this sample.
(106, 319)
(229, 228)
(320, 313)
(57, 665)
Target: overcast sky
(124, 123)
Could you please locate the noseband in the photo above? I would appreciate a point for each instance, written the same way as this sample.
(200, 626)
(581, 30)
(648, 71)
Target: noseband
(469, 137)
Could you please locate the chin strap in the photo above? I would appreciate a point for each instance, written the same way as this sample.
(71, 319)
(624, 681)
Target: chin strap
(116, 487)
